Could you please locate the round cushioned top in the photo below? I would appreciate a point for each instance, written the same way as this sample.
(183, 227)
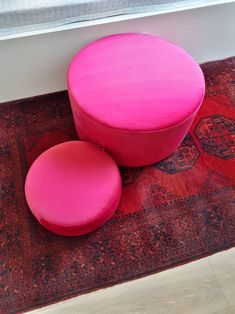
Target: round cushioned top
(136, 82)
(72, 184)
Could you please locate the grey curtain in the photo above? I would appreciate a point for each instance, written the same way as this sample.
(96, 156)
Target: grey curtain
(27, 15)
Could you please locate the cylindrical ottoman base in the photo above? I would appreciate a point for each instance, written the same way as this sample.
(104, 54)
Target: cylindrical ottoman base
(132, 149)
(136, 95)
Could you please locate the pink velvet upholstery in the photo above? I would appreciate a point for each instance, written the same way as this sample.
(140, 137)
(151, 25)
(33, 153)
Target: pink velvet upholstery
(73, 188)
(136, 95)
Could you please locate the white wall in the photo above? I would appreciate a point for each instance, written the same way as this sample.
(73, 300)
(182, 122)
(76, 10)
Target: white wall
(37, 64)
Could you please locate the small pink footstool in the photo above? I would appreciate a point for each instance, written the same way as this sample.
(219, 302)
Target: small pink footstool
(136, 95)
(73, 188)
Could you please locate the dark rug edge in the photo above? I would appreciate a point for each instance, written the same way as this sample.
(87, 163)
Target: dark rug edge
(127, 279)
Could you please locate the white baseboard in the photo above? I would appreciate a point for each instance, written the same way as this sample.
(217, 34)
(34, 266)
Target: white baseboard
(37, 64)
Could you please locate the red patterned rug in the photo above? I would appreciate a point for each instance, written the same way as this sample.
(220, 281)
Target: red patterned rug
(173, 212)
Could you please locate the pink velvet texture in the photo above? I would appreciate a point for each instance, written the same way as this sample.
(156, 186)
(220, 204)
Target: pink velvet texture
(136, 95)
(73, 188)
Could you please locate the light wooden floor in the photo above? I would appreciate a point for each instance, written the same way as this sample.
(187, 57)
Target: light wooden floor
(206, 286)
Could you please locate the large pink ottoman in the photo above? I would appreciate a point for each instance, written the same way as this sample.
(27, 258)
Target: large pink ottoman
(73, 188)
(136, 95)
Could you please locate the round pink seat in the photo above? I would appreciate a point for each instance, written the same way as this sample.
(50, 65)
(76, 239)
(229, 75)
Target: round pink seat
(136, 95)
(73, 188)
